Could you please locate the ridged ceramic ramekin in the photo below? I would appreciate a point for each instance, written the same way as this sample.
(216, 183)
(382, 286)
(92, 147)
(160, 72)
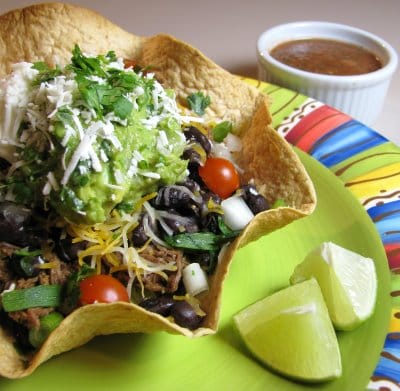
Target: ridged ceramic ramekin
(360, 96)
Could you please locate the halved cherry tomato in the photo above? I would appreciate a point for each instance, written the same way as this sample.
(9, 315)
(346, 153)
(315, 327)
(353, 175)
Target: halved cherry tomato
(220, 176)
(101, 288)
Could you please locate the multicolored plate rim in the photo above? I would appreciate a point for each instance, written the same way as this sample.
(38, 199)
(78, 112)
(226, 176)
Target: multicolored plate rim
(369, 166)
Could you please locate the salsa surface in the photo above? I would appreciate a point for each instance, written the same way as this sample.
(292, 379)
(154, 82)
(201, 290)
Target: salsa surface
(326, 56)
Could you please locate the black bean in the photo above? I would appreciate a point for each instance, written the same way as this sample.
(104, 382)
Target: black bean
(138, 235)
(173, 196)
(67, 250)
(192, 156)
(161, 305)
(207, 260)
(181, 224)
(184, 315)
(192, 185)
(180, 198)
(194, 134)
(254, 200)
(210, 222)
(16, 225)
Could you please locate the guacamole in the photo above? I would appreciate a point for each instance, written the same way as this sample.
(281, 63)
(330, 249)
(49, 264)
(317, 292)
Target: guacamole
(95, 136)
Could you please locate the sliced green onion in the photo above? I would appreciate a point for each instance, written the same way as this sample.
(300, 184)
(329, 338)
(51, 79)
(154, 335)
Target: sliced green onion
(48, 323)
(37, 296)
(279, 203)
(221, 131)
(194, 279)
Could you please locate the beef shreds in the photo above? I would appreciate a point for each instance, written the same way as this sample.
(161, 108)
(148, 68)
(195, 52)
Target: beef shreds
(23, 283)
(6, 249)
(157, 254)
(58, 274)
(30, 318)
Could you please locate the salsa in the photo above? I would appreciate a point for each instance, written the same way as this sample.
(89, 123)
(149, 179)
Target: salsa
(327, 56)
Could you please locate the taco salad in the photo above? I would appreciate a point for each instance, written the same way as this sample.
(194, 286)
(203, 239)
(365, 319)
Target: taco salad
(131, 170)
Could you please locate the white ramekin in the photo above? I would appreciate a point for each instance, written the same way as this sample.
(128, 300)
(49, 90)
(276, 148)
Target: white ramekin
(360, 96)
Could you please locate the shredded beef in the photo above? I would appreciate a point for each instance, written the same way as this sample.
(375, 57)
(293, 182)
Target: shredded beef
(59, 275)
(157, 254)
(44, 278)
(5, 274)
(23, 283)
(6, 250)
(30, 318)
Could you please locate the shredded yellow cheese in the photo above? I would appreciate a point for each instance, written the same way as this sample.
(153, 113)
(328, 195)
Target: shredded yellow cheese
(48, 265)
(108, 245)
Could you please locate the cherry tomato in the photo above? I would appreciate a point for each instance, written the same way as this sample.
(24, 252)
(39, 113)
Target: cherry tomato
(101, 288)
(220, 176)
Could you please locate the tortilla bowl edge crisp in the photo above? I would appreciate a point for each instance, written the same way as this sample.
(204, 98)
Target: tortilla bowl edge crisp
(270, 162)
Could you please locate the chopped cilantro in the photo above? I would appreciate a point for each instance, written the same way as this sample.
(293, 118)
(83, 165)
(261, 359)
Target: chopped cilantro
(126, 207)
(83, 65)
(107, 94)
(122, 107)
(221, 131)
(70, 199)
(78, 179)
(198, 102)
(64, 115)
(45, 72)
(23, 193)
(72, 291)
(143, 165)
(206, 241)
(225, 230)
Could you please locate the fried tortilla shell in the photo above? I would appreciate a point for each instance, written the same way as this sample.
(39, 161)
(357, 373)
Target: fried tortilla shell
(266, 158)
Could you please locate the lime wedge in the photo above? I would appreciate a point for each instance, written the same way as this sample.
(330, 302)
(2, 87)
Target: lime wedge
(292, 333)
(348, 282)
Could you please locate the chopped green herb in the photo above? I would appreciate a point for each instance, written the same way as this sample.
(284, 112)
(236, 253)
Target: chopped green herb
(223, 227)
(108, 95)
(72, 291)
(206, 241)
(83, 65)
(143, 165)
(70, 199)
(126, 207)
(64, 115)
(78, 179)
(122, 107)
(198, 102)
(221, 131)
(45, 72)
(23, 193)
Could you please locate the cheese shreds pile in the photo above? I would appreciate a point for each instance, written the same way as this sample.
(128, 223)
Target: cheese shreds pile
(108, 242)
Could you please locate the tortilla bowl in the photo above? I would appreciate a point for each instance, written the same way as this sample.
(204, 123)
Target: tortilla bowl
(266, 158)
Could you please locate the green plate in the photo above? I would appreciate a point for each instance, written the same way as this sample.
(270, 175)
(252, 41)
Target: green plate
(167, 362)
